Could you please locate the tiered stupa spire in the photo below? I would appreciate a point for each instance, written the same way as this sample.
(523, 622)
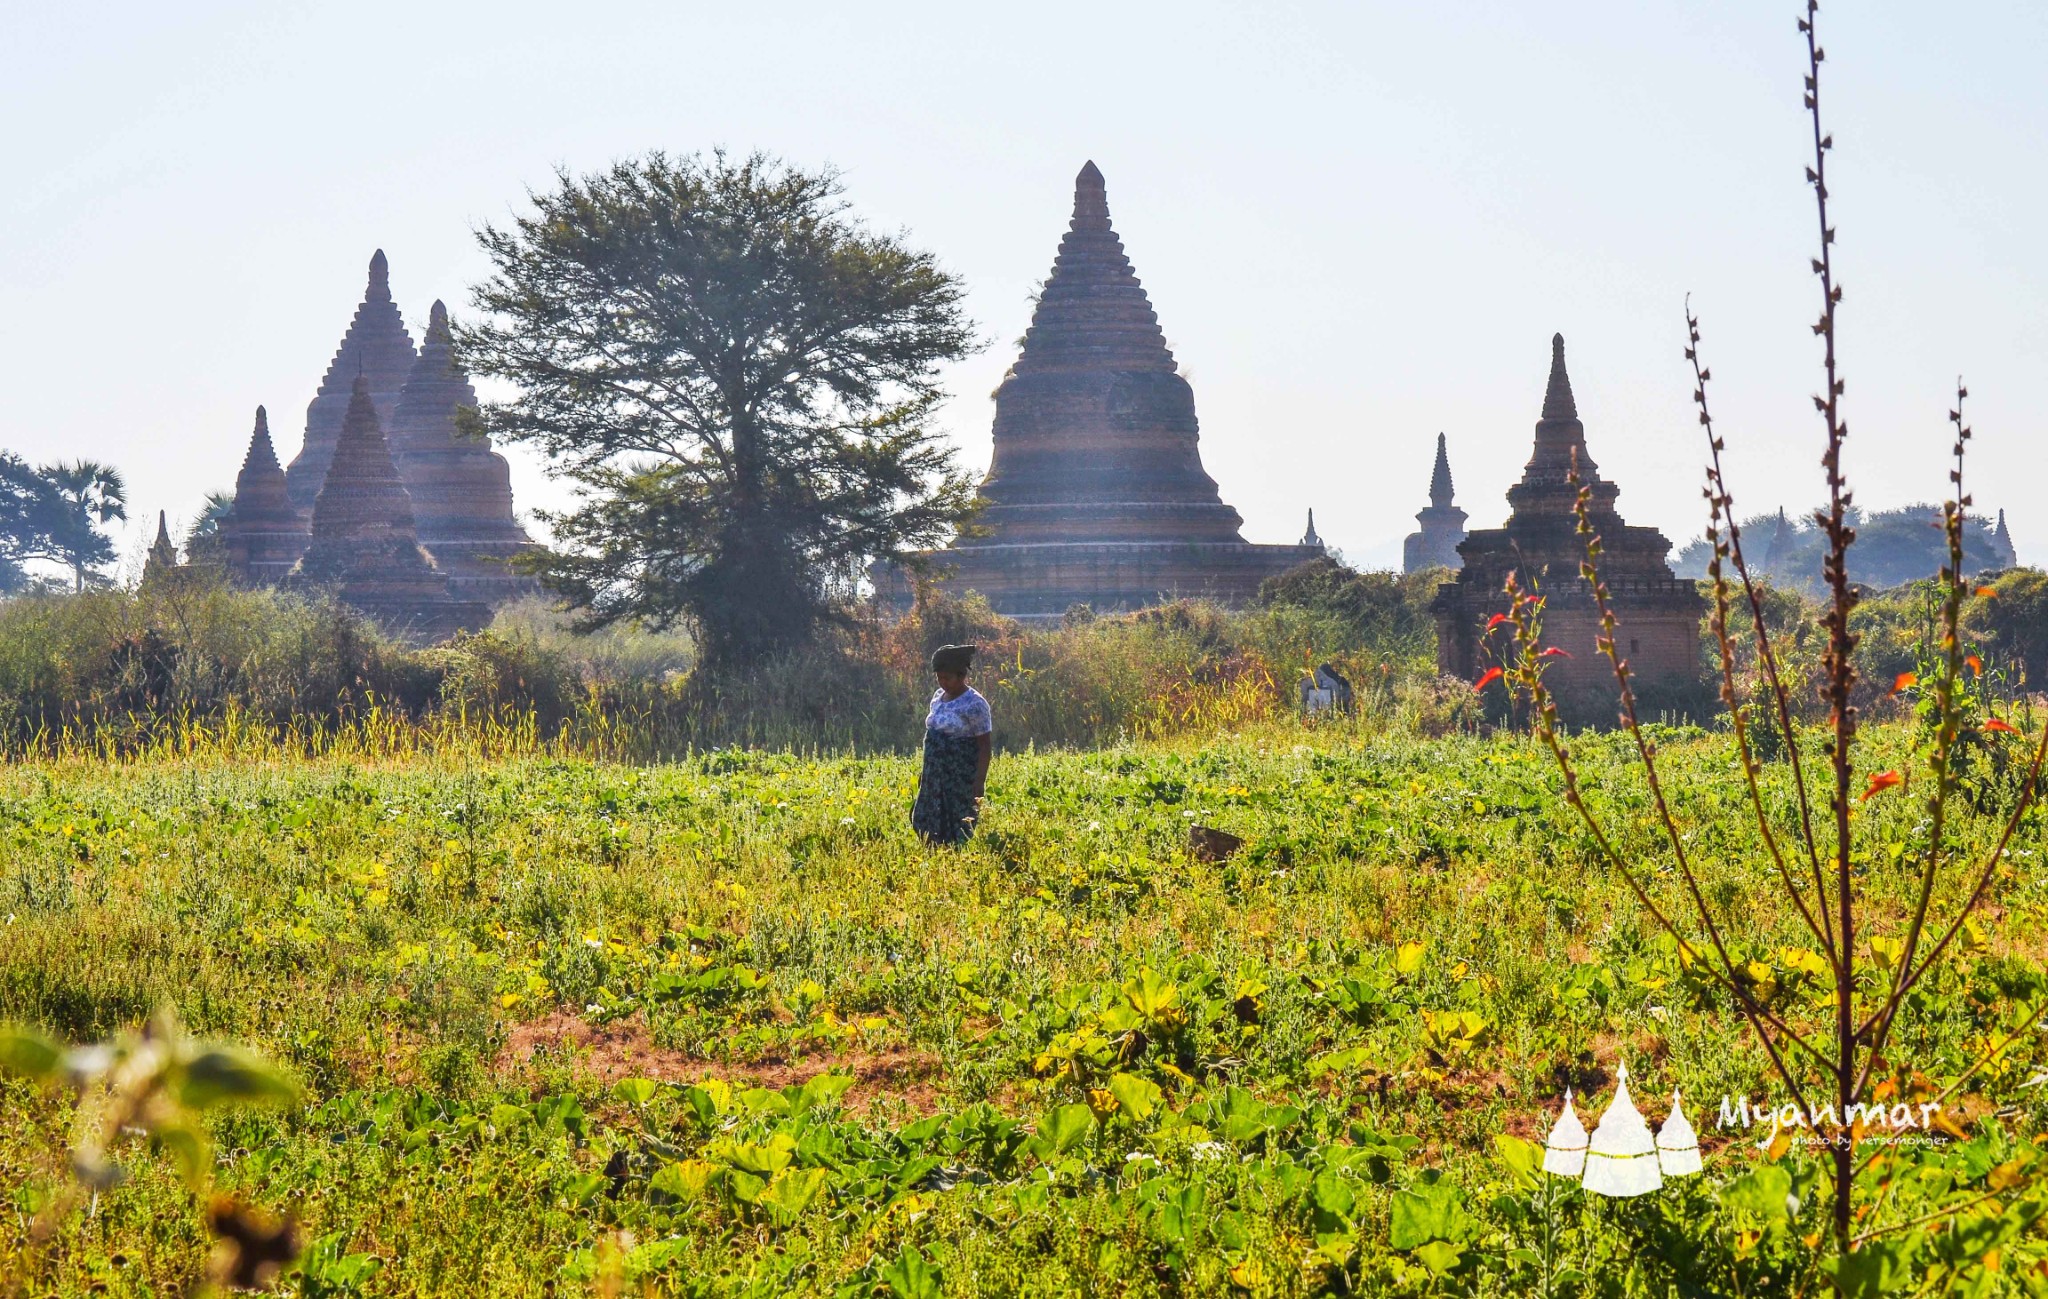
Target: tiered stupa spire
(376, 348)
(1545, 490)
(366, 543)
(163, 555)
(2007, 556)
(1779, 551)
(1095, 429)
(1440, 494)
(1095, 494)
(1435, 545)
(263, 533)
(461, 489)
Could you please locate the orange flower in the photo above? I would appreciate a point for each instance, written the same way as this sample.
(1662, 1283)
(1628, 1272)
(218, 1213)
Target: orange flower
(2000, 724)
(1976, 664)
(1988, 592)
(1903, 680)
(1488, 678)
(1882, 781)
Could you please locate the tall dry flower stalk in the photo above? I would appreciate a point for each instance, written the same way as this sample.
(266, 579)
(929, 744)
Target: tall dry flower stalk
(1811, 858)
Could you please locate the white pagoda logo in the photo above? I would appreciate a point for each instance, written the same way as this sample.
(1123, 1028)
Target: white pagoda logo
(1621, 1158)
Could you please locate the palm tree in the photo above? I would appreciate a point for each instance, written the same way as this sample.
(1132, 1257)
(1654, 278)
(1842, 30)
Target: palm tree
(87, 494)
(202, 539)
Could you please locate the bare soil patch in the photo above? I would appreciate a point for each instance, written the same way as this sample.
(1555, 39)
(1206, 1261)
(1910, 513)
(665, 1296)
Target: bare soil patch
(624, 1048)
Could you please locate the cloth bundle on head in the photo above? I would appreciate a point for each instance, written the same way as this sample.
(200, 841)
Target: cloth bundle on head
(953, 658)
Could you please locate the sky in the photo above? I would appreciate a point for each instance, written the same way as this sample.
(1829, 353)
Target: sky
(1360, 223)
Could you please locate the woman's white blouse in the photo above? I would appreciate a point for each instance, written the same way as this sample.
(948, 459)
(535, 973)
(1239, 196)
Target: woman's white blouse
(966, 716)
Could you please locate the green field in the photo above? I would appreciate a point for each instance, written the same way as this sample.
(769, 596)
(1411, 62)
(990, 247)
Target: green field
(1071, 1058)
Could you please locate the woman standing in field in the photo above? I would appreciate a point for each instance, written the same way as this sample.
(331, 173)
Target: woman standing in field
(958, 739)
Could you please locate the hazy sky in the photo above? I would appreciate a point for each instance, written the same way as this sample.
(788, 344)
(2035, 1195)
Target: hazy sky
(1360, 223)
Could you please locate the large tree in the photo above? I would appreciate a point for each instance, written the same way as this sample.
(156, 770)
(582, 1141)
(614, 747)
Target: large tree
(740, 378)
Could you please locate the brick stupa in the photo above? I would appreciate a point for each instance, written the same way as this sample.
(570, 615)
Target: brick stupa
(1658, 614)
(1096, 493)
(366, 546)
(376, 348)
(263, 534)
(1443, 523)
(461, 490)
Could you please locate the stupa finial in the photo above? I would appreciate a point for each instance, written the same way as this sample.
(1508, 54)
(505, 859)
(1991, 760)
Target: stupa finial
(380, 277)
(1557, 397)
(1440, 476)
(1091, 199)
(437, 322)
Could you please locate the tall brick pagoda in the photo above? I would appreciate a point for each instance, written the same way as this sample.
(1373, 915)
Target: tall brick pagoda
(376, 348)
(461, 489)
(1658, 614)
(366, 545)
(1096, 493)
(1443, 523)
(263, 534)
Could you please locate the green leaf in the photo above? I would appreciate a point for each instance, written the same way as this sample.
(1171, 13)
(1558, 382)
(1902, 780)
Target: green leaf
(1334, 1195)
(1523, 1158)
(791, 1192)
(1427, 1212)
(1062, 1129)
(1149, 994)
(760, 1100)
(636, 1091)
(189, 1149)
(746, 1187)
(1135, 1096)
(1765, 1190)
(506, 1118)
(685, 1180)
(910, 1276)
(228, 1074)
(1880, 1267)
(823, 1090)
(27, 1053)
(1339, 1061)
(709, 1099)
(1439, 1256)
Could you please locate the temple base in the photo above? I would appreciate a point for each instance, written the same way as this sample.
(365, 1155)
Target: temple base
(1042, 582)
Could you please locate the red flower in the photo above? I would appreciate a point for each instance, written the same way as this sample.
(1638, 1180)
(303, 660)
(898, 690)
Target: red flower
(1976, 664)
(1490, 676)
(2000, 724)
(1555, 653)
(1903, 680)
(1882, 781)
(1496, 621)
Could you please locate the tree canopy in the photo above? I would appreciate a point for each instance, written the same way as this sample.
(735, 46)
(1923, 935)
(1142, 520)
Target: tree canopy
(55, 513)
(738, 376)
(1892, 547)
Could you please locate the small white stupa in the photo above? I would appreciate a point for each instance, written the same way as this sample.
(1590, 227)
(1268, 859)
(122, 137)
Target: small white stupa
(1678, 1146)
(1564, 1150)
(1621, 1159)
